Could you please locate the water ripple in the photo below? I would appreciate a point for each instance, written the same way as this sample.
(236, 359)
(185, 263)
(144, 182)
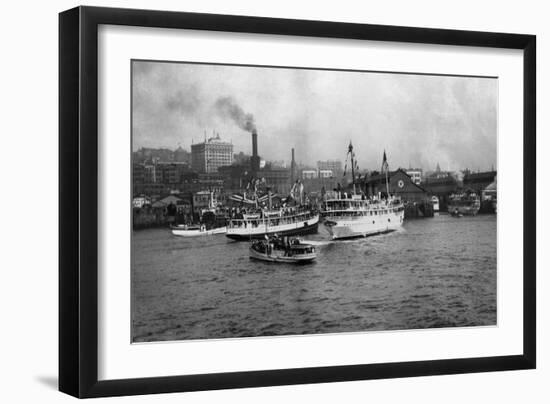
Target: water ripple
(438, 272)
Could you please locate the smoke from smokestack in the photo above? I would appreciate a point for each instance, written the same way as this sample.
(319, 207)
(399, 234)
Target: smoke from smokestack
(228, 108)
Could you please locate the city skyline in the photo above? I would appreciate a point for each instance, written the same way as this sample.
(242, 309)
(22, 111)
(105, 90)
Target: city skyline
(450, 121)
(301, 165)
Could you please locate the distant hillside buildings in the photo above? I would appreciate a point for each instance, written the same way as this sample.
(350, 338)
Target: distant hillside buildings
(211, 166)
(149, 155)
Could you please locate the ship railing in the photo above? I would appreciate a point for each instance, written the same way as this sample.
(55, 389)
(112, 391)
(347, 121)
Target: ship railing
(365, 206)
(373, 211)
(271, 221)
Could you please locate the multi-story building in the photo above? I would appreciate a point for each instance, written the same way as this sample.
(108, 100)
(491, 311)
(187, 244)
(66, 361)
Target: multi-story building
(326, 173)
(211, 182)
(309, 174)
(334, 165)
(235, 177)
(415, 174)
(138, 174)
(206, 157)
(161, 178)
(278, 179)
(171, 173)
(277, 163)
(150, 174)
(146, 154)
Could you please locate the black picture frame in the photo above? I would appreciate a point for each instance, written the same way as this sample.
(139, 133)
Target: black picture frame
(78, 201)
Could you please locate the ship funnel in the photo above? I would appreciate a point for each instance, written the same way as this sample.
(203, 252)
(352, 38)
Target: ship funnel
(255, 159)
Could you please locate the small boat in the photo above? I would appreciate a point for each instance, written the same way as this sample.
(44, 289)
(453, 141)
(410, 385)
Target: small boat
(466, 203)
(275, 249)
(184, 230)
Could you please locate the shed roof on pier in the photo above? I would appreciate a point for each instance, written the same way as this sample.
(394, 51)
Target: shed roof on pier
(399, 184)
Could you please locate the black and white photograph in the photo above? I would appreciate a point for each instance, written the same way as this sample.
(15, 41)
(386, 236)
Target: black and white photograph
(271, 201)
(275, 202)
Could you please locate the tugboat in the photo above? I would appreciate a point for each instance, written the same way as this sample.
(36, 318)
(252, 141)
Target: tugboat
(287, 250)
(351, 215)
(212, 221)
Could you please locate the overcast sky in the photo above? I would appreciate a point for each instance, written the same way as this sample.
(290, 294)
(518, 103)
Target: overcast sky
(419, 120)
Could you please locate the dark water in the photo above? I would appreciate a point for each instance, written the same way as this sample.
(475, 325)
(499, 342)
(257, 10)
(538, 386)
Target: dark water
(438, 272)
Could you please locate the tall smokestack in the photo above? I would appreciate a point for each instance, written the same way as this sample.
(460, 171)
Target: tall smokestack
(254, 143)
(255, 159)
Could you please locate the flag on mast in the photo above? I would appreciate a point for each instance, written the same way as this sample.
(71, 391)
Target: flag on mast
(385, 165)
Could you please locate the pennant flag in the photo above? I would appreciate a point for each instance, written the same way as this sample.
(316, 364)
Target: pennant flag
(385, 165)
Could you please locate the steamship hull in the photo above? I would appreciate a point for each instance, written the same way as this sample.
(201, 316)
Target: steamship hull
(364, 226)
(297, 228)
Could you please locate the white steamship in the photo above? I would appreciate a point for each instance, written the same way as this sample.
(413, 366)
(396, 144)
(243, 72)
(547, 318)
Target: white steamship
(355, 215)
(257, 223)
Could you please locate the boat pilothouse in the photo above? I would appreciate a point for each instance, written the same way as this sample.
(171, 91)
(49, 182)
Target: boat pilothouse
(354, 215)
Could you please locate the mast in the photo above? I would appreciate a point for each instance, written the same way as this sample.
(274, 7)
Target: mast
(385, 168)
(350, 151)
(387, 186)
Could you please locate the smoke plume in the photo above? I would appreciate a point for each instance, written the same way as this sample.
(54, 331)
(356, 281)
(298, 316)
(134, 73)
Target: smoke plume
(228, 108)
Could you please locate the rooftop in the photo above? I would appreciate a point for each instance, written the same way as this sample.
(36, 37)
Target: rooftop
(478, 176)
(213, 140)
